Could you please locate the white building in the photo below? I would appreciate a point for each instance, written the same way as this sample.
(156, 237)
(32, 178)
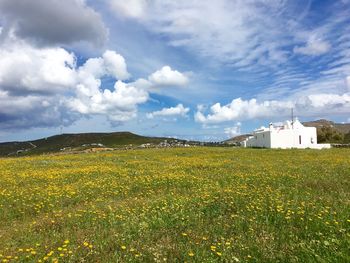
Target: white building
(290, 135)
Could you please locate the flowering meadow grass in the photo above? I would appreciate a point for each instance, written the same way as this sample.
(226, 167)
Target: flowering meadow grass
(177, 205)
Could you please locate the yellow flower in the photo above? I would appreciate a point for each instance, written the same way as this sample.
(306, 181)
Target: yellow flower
(191, 254)
(123, 247)
(86, 244)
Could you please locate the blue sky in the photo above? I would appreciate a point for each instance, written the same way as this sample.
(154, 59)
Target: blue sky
(204, 70)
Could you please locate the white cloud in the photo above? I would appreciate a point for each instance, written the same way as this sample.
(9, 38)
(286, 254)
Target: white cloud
(311, 105)
(256, 35)
(325, 100)
(110, 64)
(314, 47)
(25, 68)
(179, 110)
(240, 109)
(44, 87)
(131, 8)
(256, 40)
(168, 77)
(162, 78)
(118, 105)
(45, 82)
(115, 65)
(234, 130)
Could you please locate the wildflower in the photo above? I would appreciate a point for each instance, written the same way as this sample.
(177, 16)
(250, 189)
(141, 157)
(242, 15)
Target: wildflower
(191, 254)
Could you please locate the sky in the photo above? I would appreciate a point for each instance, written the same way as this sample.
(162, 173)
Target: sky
(199, 70)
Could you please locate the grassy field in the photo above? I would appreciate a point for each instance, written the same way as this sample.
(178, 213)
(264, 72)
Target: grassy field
(177, 205)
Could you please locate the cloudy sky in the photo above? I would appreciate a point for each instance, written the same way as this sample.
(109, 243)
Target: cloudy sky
(203, 69)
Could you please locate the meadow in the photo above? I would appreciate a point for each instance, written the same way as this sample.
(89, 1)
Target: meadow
(177, 205)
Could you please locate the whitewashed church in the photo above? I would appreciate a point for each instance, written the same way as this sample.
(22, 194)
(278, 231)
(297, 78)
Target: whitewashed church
(292, 134)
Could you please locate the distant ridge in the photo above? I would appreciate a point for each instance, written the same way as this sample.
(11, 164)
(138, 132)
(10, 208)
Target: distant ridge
(78, 141)
(341, 127)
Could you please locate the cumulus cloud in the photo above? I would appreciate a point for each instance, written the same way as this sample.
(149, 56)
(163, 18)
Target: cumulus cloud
(118, 105)
(115, 65)
(233, 131)
(311, 105)
(178, 110)
(44, 86)
(48, 22)
(240, 109)
(110, 64)
(168, 77)
(24, 68)
(314, 47)
(162, 78)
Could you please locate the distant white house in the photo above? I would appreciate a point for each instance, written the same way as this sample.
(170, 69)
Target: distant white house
(289, 135)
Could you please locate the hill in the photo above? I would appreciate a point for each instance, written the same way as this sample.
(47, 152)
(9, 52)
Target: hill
(237, 139)
(341, 127)
(79, 141)
(330, 132)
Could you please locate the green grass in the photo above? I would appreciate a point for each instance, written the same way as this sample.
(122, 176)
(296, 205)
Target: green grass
(177, 205)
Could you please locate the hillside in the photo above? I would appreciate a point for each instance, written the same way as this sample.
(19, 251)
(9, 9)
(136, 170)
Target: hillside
(330, 132)
(341, 127)
(237, 139)
(78, 141)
